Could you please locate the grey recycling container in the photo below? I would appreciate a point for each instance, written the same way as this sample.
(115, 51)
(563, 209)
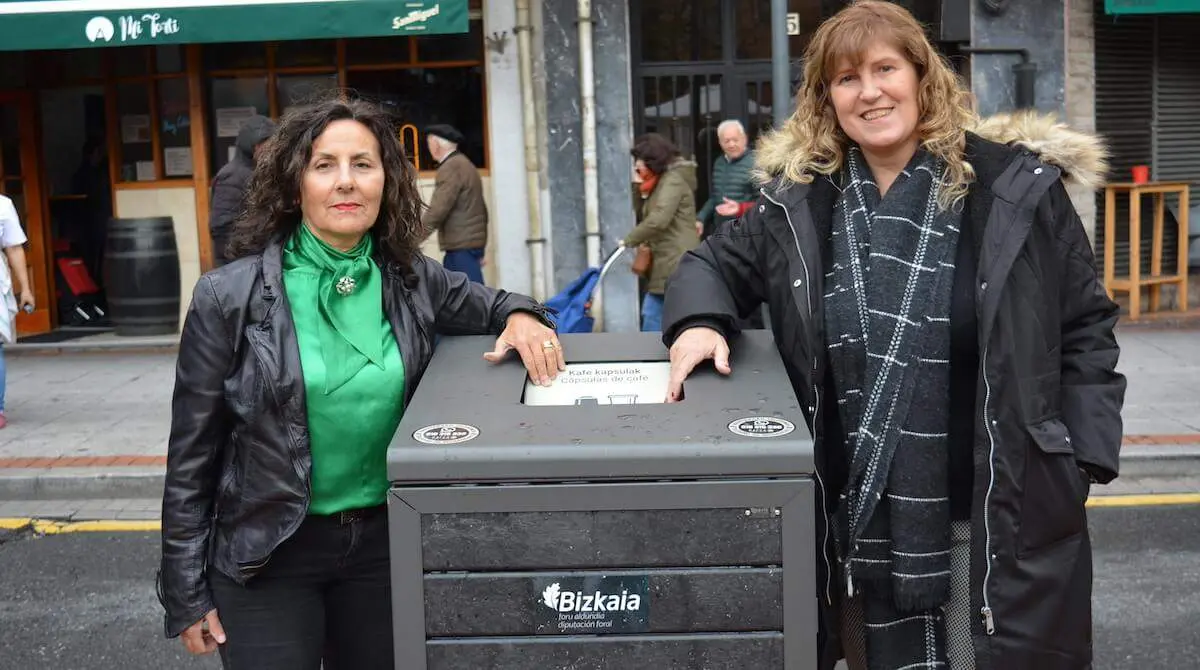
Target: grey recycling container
(589, 526)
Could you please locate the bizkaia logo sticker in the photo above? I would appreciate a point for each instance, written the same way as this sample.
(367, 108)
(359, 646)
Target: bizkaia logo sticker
(592, 605)
(578, 601)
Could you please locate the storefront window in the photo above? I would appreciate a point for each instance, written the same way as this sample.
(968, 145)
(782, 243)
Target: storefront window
(681, 30)
(12, 69)
(422, 81)
(306, 53)
(465, 47)
(302, 89)
(175, 128)
(130, 61)
(168, 59)
(235, 56)
(10, 148)
(419, 97)
(133, 118)
(56, 68)
(232, 101)
(378, 51)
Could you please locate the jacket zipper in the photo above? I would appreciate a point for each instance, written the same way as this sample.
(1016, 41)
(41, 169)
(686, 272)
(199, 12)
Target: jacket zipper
(816, 406)
(989, 623)
(260, 362)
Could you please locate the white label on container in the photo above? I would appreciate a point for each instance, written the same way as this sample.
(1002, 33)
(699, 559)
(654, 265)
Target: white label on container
(446, 433)
(761, 426)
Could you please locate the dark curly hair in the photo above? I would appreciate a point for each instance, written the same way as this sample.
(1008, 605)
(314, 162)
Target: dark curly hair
(656, 151)
(272, 209)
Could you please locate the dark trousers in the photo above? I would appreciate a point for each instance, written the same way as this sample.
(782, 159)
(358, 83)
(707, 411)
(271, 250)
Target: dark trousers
(325, 596)
(467, 261)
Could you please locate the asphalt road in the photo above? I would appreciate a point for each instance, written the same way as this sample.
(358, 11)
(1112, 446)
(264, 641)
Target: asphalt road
(86, 601)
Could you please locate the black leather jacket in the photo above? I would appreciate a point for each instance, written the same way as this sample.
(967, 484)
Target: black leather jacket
(238, 462)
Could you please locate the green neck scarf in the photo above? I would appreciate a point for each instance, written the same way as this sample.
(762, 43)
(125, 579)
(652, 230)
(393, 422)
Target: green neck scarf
(350, 303)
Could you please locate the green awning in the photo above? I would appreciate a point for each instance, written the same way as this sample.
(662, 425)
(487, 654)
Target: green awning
(68, 24)
(1152, 6)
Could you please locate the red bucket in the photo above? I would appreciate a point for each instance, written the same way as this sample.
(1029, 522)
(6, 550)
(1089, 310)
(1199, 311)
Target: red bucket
(1141, 174)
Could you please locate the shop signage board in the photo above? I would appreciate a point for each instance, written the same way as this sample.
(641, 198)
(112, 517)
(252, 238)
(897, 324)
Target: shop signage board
(1152, 6)
(71, 24)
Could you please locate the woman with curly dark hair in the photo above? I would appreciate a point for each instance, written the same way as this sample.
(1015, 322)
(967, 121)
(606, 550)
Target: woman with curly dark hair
(295, 364)
(665, 202)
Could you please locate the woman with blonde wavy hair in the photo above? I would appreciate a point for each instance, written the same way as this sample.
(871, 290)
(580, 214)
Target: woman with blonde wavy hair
(934, 299)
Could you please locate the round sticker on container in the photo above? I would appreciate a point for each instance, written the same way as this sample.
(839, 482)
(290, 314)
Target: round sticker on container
(761, 426)
(446, 433)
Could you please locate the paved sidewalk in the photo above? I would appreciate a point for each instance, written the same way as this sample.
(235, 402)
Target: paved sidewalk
(1163, 368)
(94, 425)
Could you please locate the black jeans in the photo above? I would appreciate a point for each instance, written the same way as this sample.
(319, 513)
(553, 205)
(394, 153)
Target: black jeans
(325, 595)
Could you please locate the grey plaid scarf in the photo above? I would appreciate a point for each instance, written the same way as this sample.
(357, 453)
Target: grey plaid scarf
(888, 334)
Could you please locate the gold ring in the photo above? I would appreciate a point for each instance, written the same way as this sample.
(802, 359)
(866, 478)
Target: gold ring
(549, 344)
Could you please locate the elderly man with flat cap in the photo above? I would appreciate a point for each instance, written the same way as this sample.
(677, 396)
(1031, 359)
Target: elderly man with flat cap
(457, 210)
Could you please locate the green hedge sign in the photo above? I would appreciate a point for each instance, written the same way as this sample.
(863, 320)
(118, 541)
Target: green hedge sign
(68, 24)
(1151, 6)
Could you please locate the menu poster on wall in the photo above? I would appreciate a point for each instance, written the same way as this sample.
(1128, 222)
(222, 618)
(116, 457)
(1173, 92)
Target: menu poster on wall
(145, 171)
(135, 129)
(177, 161)
(230, 120)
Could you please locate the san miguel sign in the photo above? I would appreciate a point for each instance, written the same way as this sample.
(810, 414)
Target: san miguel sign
(67, 24)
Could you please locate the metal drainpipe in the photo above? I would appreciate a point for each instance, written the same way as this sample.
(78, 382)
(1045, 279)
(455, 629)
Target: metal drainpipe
(1025, 72)
(591, 195)
(781, 74)
(534, 239)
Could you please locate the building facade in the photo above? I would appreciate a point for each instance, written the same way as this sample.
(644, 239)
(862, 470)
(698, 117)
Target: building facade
(1146, 79)
(139, 122)
(680, 67)
(129, 108)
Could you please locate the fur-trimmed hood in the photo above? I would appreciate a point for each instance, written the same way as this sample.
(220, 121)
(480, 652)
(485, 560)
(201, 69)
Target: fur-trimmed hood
(1082, 157)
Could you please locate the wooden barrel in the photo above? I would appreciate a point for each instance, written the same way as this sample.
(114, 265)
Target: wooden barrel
(141, 276)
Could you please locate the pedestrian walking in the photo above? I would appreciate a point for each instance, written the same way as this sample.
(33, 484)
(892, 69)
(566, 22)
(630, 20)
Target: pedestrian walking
(665, 204)
(16, 293)
(733, 188)
(935, 300)
(295, 365)
(733, 192)
(229, 186)
(457, 210)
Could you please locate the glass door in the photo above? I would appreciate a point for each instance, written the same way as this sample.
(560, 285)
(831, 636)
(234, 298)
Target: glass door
(19, 182)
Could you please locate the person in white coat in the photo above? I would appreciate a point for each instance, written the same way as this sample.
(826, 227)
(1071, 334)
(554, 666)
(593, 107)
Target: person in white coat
(15, 291)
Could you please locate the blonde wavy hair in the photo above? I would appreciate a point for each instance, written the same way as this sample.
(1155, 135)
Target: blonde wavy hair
(812, 142)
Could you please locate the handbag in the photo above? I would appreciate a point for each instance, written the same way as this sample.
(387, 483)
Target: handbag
(643, 261)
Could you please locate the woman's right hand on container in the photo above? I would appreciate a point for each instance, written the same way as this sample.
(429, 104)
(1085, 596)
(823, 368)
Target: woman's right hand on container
(200, 640)
(692, 347)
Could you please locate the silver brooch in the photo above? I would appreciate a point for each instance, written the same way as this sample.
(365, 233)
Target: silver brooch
(345, 286)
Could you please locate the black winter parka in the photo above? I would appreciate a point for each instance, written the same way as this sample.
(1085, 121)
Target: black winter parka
(1048, 395)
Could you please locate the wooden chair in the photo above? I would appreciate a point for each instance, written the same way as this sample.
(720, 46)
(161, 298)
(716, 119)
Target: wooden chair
(1155, 279)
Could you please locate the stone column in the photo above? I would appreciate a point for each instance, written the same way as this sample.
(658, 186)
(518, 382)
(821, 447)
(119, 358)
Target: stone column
(1081, 93)
(614, 136)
